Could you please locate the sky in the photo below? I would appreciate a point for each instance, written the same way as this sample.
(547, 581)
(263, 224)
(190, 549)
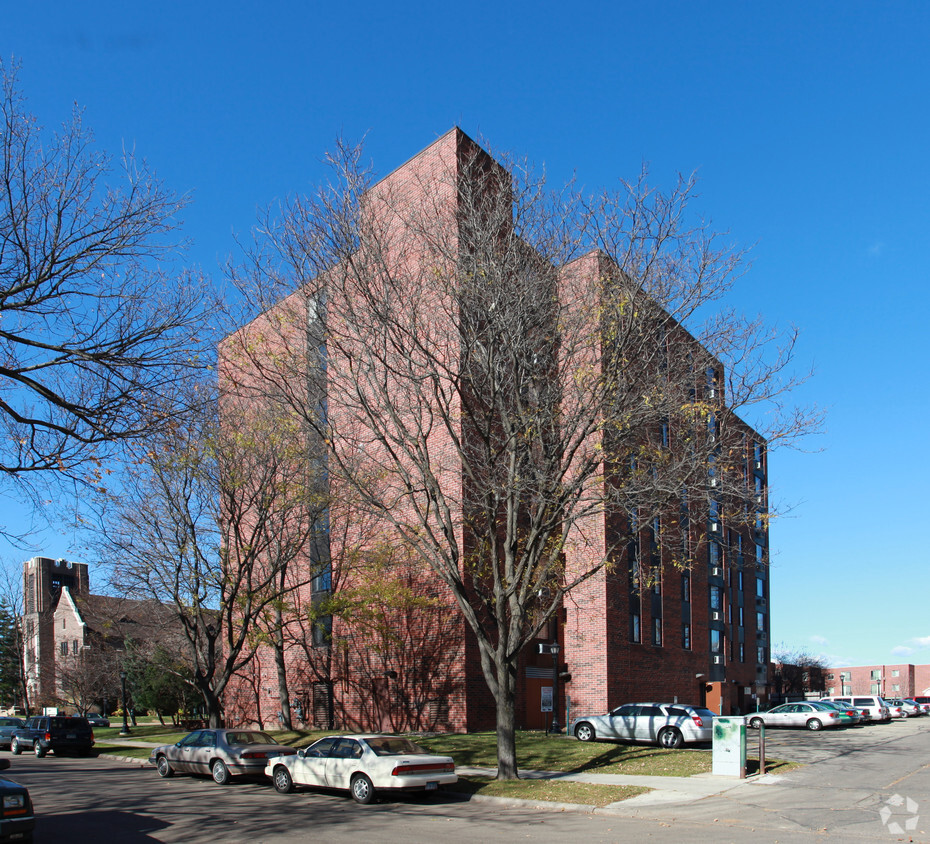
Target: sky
(807, 123)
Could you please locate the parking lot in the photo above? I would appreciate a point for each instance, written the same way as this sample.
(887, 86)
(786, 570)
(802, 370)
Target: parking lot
(798, 745)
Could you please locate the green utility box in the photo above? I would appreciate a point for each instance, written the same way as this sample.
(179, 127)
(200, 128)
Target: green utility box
(729, 753)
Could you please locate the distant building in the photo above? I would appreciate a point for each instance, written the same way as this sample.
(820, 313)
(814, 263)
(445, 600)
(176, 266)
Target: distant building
(65, 624)
(894, 681)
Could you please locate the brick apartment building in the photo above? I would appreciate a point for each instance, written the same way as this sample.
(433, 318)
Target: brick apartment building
(696, 633)
(893, 681)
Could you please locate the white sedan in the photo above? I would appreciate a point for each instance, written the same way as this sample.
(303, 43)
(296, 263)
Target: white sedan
(363, 765)
(810, 714)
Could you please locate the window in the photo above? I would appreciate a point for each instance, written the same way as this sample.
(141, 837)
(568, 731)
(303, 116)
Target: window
(875, 674)
(686, 637)
(657, 631)
(895, 688)
(847, 690)
(846, 677)
(895, 673)
(665, 435)
(635, 633)
(741, 620)
(760, 622)
(760, 587)
(716, 598)
(873, 688)
(75, 647)
(760, 654)
(686, 587)
(742, 652)
(739, 580)
(64, 648)
(64, 623)
(760, 555)
(713, 553)
(716, 641)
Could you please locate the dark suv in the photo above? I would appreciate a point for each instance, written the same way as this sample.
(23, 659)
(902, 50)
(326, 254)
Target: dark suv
(43, 733)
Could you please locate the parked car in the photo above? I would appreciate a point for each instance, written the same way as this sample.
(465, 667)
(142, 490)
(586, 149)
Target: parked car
(17, 819)
(58, 733)
(665, 724)
(849, 716)
(897, 712)
(218, 753)
(876, 707)
(924, 707)
(7, 725)
(911, 707)
(97, 720)
(810, 714)
(364, 765)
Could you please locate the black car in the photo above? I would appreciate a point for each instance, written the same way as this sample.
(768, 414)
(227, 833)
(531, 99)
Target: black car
(17, 819)
(7, 724)
(60, 733)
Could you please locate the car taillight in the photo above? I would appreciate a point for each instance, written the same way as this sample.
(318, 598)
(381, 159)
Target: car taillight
(697, 720)
(440, 768)
(48, 736)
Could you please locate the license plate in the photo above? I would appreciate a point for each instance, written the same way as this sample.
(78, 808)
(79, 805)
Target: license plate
(71, 735)
(432, 786)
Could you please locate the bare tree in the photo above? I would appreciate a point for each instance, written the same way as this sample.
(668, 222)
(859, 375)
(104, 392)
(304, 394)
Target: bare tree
(798, 670)
(88, 676)
(209, 520)
(504, 366)
(13, 635)
(93, 331)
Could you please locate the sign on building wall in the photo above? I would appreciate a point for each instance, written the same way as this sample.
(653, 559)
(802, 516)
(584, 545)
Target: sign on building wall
(545, 697)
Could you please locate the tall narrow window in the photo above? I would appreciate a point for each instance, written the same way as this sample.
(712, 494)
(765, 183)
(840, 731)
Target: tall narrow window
(657, 631)
(635, 632)
(686, 637)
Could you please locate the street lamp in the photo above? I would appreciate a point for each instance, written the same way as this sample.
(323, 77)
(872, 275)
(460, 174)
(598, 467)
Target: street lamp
(125, 731)
(554, 650)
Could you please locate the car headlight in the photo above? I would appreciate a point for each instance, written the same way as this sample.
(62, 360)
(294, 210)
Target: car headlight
(14, 804)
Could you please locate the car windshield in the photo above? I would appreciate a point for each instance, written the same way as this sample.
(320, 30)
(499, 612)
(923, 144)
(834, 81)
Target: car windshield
(392, 746)
(248, 737)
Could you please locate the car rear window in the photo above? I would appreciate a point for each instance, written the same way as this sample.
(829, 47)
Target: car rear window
(67, 723)
(391, 746)
(863, 701)
(705, 713)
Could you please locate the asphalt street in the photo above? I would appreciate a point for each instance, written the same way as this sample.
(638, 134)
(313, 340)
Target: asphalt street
(862, 784)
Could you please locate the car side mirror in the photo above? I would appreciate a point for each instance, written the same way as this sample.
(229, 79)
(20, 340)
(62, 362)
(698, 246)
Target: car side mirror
(301, 754)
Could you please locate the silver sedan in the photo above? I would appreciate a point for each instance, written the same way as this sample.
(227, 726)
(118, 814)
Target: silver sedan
(812, 715)
(219, 754)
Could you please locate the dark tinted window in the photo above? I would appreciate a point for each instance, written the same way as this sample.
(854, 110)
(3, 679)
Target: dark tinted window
(651, 712)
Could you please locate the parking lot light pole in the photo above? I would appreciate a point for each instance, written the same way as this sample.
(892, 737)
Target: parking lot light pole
(554, 650)
(125, 731)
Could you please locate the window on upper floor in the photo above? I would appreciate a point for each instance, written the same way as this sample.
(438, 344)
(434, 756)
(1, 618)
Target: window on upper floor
(657, 631)
(760, 622)
(716, 598)
(686, 636)
(716, 641)
(685, 587)
(635, 631)
(64, 648)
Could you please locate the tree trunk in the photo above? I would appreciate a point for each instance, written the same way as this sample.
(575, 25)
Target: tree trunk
(506, 726)
(283, 694)
(211, 702)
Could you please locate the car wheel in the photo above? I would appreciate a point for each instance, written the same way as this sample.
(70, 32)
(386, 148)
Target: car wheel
(585, 732)
(756, 723)
(362, 789)
(38, 750)
(220, 772)
(16, 748)
(814, 724)
(670, 737)
(282, 780)
(163, 767)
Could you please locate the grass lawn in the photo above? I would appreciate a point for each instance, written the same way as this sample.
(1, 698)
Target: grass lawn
(535, 751)
(585, 793)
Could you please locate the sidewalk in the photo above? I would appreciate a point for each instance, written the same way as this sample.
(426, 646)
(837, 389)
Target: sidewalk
(665, 790)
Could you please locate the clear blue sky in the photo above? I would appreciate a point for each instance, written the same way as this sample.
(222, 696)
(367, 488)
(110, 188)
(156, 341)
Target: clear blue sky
(807, 122)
